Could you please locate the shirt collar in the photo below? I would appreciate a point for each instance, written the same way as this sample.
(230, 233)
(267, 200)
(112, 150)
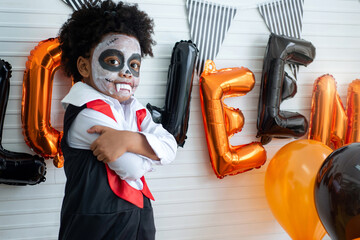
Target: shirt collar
(81, 93)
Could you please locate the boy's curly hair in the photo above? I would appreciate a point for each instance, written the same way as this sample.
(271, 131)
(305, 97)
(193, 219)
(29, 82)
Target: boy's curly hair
(86, 27)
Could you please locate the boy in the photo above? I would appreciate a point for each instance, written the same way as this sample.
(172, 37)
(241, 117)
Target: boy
(106, 196)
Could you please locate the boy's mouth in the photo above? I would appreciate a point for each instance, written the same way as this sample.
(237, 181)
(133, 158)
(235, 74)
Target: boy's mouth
(121, 86)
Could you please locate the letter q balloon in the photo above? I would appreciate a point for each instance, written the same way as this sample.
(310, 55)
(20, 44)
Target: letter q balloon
(38, 133)
(222, 122)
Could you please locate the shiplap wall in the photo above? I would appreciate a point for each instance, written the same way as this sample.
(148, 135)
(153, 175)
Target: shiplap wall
(191, 203)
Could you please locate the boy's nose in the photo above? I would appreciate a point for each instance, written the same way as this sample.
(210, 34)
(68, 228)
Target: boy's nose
(125, 73)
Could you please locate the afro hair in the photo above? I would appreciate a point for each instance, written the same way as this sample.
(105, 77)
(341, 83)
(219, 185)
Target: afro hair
(87, 26)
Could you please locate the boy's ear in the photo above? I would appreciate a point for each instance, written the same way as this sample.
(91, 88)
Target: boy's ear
(83, 66)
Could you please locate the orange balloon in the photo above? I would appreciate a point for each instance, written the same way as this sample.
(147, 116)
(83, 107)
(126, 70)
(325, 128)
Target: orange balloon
(222, 122)
(38, 133)
(289, 187)
(353, 110)
(329, 122)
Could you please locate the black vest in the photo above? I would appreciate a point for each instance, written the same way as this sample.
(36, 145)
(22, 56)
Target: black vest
(90, 209)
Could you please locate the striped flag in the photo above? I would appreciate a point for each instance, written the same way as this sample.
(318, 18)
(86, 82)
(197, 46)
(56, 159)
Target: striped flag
(77, 4)
(284, 17)
(209, 23)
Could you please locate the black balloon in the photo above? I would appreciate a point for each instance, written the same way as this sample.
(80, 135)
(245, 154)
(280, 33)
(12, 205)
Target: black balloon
(174, 116)
(16, 168)
(337, 193)
(277, 85)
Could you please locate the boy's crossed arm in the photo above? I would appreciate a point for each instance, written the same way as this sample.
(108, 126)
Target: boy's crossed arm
(84, 133)
(113, 143)
(153, 142)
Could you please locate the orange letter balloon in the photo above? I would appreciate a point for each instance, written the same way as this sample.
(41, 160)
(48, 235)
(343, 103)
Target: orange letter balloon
(329, 122)
(289, 186)
(353, 104)
(222, 122)
(41, 66)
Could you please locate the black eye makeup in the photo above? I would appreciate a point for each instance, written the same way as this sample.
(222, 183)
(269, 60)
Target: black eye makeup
(134, 63)
(112, 60)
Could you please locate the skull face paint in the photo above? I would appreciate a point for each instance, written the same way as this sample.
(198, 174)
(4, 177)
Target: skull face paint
(115, 66)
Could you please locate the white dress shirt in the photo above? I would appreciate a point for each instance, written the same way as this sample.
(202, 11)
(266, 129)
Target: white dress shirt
(129, 167)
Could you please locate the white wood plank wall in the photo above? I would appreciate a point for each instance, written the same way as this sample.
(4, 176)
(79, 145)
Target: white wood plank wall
(191, 202)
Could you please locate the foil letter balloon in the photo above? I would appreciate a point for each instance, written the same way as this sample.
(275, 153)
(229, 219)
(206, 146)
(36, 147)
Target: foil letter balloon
(221, 121)
(337, 193)
(330, 123)
(16, 168)
(353, 110)
(277, 85)
(289, 188)
(38, 133)
(174, 116)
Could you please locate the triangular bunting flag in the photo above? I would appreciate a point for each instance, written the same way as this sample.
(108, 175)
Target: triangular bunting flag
(77, 4)
(209, 23)
(284, 17)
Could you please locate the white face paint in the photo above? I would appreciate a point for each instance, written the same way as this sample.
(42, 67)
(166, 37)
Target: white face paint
(115, 66)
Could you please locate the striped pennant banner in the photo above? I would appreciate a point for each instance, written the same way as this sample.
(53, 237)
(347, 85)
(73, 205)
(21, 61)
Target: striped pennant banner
(209, 22)
(284, 17)
(77, 4)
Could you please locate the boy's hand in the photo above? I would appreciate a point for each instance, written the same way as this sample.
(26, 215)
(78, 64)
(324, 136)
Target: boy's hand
(109, 145)
(113, 143)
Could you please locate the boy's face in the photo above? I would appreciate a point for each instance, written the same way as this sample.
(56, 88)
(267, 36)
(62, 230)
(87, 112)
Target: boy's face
(115, 66)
